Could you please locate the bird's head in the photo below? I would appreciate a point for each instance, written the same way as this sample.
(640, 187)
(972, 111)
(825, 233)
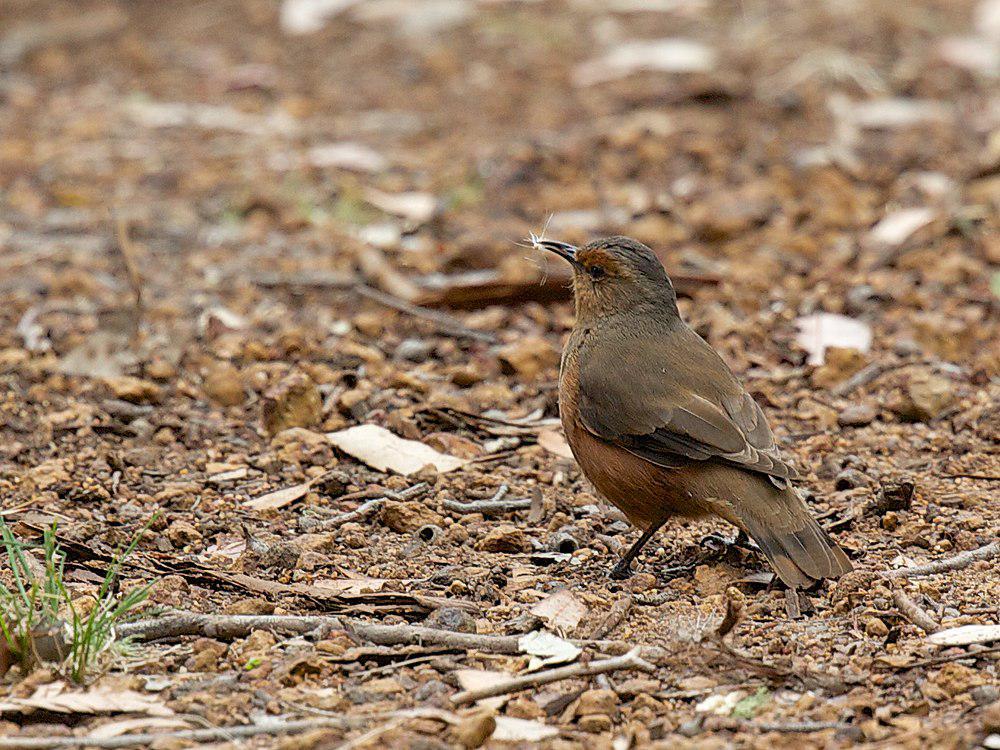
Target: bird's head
(614, 275)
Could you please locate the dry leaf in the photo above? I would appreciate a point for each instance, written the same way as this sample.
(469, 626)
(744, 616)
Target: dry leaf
(561, 611)
(127, 726)
(278, 498)
(546, 649)
(965, 635)
(821, 330)
(897, 227)
(345, 586)
(56, 698)
(384, 451)
(661, 55)
(554, 442)
(509, 729)
(474, 679)
(417, 207)
(355, 157)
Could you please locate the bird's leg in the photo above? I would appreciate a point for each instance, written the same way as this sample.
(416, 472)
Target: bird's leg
(623, 569)
(716, 548)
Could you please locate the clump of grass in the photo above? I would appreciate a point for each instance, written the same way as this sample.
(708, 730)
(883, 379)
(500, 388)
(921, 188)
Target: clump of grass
(40, 622)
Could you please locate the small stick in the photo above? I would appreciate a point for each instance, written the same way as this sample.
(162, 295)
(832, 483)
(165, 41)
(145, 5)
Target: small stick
(444, 322)
(912, 612)
(219, 734)
(495, 504)
(613, 618)
(352, 515)
(630, 660)
(959, 561)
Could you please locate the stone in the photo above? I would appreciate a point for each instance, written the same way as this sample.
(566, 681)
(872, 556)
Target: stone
(407, 517)
(850, 479)
(595, 723)
(134, 390)
(857, 415)
(181, 534)
(414, 350)
(839, 364)
(451, 618)
(473, 731)
(294, 402)
(504, 538)
(991, 717)
(598, 701)
(956, 679)
(223, 384)
(876, 628)
(925, 397)
(249, 606)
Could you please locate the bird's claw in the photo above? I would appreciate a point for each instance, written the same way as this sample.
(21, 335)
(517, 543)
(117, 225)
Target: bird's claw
(620, 572)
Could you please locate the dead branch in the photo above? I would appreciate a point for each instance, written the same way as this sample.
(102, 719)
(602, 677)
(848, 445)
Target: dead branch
(444, 322)
(224, 734)
(495, 504)
(958, 562)
(912, 612)
(631, 660)
(358, 513)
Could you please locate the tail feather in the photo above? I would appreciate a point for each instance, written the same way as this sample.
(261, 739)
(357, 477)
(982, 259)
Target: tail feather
(797, 547)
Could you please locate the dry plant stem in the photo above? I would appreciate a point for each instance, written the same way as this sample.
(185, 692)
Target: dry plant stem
(224, 627)
(352, 515)
(613, 618)
(488, 506)
(495, 504)
(959, 561)
(912, 612)
(631, 660)
(223, 734)
(445, 323)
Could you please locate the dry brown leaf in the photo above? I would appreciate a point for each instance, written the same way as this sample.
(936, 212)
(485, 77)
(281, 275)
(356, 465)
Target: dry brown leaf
(58, 698)
(278, 498)
(127, 726)
(383, 450)
(561, 611)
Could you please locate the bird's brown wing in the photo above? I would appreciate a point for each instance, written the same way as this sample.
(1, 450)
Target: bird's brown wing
(670, 396)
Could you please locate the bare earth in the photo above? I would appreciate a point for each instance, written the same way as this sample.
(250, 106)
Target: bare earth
(210, 232)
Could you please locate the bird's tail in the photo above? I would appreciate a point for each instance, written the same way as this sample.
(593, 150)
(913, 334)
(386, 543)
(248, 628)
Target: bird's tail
(797, 547)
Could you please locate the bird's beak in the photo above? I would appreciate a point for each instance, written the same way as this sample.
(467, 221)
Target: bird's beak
(562, 249)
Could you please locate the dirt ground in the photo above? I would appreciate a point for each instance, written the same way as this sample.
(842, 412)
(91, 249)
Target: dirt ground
(213, 233)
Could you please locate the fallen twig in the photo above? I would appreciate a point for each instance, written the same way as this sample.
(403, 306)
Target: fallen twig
(631, 660)
(983, 477)
(352, 515)
(223, 734)
(495, 504)
(444, 322)
(959, 561)
(912, 612)
(802, 727)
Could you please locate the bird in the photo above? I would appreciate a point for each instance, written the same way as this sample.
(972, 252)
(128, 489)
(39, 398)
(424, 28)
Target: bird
(662, 427)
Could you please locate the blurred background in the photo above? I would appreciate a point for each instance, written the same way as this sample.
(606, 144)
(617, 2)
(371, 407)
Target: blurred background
(802, 141)
(240, 166)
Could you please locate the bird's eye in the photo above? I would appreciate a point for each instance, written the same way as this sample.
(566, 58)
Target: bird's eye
(596, 272)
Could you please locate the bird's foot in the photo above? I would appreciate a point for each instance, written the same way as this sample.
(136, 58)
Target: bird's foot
(620, 572)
